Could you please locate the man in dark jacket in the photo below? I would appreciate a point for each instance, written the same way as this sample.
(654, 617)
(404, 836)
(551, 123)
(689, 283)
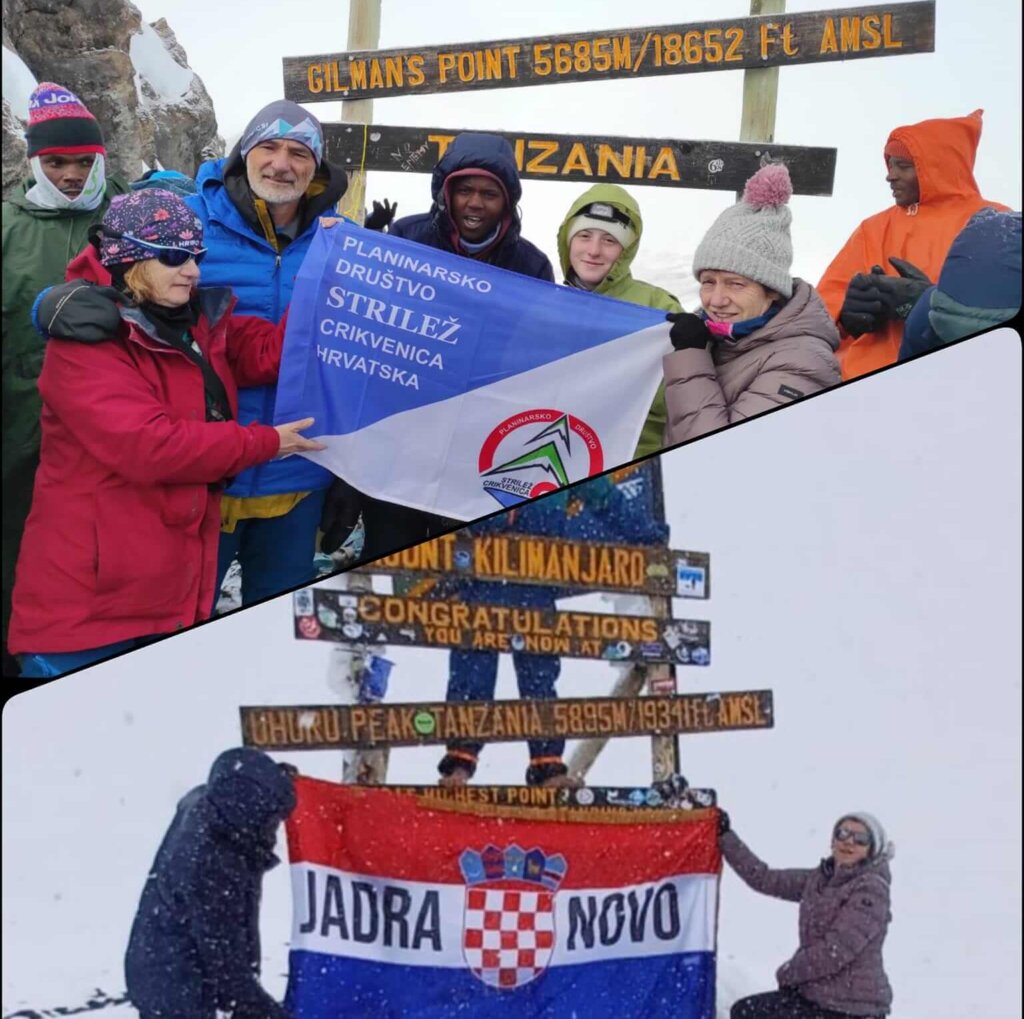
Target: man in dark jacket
(979, 286)
(195, 945)
(44, 226)
(595, 511)
(476, 190)
(260, 208)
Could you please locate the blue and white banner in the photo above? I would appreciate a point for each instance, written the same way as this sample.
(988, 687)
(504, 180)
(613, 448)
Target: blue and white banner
(456, 387)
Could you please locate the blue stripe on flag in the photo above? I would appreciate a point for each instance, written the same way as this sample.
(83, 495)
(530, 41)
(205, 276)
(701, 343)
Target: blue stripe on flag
(518, 324)
(658, 987)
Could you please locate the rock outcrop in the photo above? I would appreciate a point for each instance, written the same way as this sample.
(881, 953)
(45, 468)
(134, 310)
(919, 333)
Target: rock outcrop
(133, 76)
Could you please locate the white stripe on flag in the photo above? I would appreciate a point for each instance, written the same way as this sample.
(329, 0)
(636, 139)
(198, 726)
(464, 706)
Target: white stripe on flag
(427, 457)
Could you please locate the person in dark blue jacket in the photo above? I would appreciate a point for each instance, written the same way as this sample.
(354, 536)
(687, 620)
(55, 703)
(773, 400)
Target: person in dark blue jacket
(979, 286)
(594, 511)
(194, 949)
(260, 208)
(475, 213)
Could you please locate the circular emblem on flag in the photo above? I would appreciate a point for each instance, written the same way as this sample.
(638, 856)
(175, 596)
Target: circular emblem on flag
(537, 451)
(309, 627)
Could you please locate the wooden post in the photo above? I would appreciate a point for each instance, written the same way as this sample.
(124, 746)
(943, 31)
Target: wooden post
(363, 34)
(344, 674)
(760, 90)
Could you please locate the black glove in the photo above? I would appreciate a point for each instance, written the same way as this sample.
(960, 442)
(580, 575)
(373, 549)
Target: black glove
(724, 824)
(79, 311)
(381, 216)
(688, 331)
(899, 294)
(671, 788)
(340, 514)
(862, 310)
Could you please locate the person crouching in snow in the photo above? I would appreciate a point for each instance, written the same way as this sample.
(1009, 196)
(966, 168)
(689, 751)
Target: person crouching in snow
(761, 338)
(837, 972)
(194, 949)
(597, 243)
(139, 435)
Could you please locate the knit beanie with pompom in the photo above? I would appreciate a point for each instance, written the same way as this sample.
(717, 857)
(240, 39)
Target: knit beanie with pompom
(752, 238)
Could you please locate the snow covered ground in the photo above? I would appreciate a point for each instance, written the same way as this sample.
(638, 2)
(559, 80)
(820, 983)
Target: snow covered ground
(866, 566)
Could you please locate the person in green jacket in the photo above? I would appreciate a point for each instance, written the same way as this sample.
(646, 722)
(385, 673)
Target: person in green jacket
(597, 242)
(44, 226)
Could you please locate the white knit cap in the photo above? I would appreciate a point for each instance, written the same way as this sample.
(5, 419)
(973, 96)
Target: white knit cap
(602, 216)
(752, 237)
(879, 841)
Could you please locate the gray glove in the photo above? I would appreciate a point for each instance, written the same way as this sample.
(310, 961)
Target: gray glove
(79, 311)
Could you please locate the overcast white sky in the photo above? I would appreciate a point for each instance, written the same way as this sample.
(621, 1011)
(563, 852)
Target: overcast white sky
(866, 566)
(237, 48)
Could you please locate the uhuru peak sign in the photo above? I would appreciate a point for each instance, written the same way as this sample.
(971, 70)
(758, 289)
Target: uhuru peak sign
(726, 44)
(412, 622)
(575, 565)
(312, 727)
(662, 162)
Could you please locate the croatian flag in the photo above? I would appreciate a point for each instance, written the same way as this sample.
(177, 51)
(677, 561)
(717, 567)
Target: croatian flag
(451, 386)
(407, 910)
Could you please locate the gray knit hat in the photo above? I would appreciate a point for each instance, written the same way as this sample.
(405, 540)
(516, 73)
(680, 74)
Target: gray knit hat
(879, 842)
(752, 238)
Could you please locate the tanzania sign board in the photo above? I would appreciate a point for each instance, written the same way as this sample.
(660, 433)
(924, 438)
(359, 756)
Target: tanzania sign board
(661, 162)
(553, 562)
(312, 727)
(443, 623)
(720, 45)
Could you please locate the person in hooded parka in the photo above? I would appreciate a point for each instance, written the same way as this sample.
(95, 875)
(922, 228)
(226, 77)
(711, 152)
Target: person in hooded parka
(194, 949)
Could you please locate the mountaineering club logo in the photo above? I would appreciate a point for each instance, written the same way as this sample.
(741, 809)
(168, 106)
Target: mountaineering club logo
(520, 461)
(508, 931)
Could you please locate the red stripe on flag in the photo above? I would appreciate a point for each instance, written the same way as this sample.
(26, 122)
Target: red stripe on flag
(385, 834)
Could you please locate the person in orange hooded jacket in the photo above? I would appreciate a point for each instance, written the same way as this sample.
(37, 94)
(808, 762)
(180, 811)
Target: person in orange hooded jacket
(893, 256)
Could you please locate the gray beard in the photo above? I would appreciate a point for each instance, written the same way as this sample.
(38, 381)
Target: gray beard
(275, 196)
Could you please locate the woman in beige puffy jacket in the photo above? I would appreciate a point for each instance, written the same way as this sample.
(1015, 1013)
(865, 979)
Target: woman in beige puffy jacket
(762, 338)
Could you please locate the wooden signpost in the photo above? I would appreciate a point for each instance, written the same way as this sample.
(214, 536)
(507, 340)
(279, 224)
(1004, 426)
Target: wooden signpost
(554, 562)
(314, 727)
(849, 33)
(371, 619)
(611, 798)
(588, 159)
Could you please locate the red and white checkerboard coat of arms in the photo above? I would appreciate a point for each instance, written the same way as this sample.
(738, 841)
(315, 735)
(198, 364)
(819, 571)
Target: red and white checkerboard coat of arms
(508, 935)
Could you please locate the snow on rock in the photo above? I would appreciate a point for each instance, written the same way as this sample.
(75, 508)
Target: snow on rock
(134, 77)
(18, 83)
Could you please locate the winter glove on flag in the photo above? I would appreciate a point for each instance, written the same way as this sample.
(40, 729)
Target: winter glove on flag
(863, 310)
(340, 514)
(672, 788)
(689, 332)
(381, 216)
(724, 824)
(78, 311)
(899, 294)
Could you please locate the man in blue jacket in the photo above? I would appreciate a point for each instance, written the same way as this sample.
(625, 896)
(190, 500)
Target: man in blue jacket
(476, 191)
(595, 511)
(260, 208)
(195, 944)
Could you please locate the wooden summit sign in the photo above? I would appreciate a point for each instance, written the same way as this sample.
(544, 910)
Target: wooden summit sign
(554, 562)
(661, 162)
(312, 727)
(725, 44)
(616, 798)
(370, 619)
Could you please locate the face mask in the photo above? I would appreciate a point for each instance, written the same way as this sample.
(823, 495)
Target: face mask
(47, 196)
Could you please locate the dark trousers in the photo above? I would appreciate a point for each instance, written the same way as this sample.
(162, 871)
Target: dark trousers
(388, 527)
(276, 554)
(473, 675)
(785, 1005)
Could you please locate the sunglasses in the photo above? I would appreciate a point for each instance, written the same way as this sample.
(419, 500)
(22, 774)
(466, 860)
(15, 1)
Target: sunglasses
(167, 255)
(858, 838)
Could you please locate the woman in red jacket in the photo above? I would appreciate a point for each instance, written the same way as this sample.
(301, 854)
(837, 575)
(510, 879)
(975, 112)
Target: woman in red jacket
(139, 388)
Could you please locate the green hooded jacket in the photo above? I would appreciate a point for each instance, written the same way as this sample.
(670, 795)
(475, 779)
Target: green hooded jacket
(37, 246)
(619, 283)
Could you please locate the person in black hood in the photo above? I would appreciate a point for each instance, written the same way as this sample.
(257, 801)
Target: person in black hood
(195, 947)
(475, 213)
